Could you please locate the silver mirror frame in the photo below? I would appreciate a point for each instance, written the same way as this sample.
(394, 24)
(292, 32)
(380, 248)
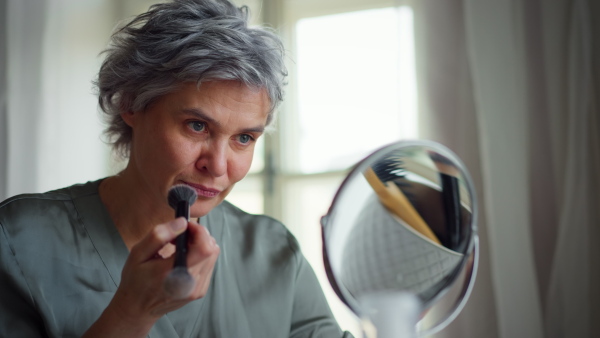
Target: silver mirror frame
(471, 252)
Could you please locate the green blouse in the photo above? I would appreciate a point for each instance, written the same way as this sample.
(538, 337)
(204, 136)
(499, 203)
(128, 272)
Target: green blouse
(61, 259)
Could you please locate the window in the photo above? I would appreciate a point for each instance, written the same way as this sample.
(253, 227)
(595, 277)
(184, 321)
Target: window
(355, 87)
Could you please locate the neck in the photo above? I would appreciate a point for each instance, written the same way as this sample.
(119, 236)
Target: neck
(134, 211)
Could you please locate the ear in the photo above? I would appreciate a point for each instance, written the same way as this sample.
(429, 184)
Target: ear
(129, 118)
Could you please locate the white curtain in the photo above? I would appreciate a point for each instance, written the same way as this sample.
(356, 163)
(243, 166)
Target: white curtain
(3, 103)
(511, 86)
(24, 29)
(49, 125)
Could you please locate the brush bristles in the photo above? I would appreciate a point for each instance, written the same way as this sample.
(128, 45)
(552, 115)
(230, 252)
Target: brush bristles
(389, 168)
(179, 283)
(181, 192)
(439, 158)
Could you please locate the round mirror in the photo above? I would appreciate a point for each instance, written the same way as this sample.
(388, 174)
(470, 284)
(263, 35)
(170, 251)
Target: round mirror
(401, 225)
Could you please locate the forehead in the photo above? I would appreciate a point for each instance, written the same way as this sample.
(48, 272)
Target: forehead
(226, 96)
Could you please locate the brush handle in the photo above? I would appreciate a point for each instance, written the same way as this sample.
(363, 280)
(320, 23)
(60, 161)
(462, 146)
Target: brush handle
(181, 241)
(179, 283)
(451, 197)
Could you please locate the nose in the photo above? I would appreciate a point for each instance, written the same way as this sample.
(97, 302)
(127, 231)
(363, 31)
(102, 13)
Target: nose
(213, 159)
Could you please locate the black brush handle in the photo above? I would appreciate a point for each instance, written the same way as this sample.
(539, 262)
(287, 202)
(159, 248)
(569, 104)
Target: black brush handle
(181, 241)
(451, 197)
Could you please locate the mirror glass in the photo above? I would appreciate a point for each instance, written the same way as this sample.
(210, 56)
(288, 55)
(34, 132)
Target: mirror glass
(403, 220)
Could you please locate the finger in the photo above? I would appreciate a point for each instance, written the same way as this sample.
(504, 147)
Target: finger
(160, 235)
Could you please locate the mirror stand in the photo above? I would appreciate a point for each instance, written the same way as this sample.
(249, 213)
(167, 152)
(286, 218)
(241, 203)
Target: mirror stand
(393, 314)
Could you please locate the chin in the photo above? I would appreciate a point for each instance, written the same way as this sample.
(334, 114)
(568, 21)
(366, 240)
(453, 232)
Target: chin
(201, 210)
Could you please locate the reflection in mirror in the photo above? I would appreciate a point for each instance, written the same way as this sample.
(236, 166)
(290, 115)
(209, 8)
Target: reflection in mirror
(402, 228)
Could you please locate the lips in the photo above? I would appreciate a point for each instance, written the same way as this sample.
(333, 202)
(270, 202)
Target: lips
(203, 191)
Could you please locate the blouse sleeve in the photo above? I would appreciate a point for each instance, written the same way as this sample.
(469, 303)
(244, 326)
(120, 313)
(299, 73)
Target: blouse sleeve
(311, 315)
(18, 316)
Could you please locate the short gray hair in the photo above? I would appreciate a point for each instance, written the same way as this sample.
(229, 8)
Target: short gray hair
(184, 41)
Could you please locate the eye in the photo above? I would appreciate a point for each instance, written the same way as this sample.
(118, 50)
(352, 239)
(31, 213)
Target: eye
(197, 126)
(245, 138)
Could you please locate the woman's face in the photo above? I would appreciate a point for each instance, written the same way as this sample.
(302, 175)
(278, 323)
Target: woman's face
(202, 137)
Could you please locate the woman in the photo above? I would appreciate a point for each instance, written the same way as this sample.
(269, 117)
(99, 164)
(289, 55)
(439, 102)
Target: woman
(187, 88)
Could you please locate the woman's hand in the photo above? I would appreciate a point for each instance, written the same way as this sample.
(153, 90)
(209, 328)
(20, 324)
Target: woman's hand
(141, 299)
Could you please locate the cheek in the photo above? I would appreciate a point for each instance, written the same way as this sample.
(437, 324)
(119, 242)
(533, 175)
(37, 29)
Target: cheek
(167, 152)
(239, 166)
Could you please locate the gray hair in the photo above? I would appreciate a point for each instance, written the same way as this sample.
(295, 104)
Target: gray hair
(184, 41)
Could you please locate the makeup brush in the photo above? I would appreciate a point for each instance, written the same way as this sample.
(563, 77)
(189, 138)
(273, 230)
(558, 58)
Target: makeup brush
(179, 283)
(381, 177)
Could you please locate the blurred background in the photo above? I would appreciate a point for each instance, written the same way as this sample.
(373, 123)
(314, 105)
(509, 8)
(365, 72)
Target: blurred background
(510, 86)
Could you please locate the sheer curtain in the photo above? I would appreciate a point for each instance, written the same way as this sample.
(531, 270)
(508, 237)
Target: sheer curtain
(511, 86)
(49, 125)
(3, 100)
(23, 29)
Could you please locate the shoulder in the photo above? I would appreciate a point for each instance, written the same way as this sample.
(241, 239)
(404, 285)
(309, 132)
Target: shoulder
(42, 210)
(53, 196)
(23, 200)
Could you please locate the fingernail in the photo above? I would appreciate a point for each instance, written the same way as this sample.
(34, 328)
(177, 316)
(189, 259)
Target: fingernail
(207, 232)
(178, 224)
(162, 233)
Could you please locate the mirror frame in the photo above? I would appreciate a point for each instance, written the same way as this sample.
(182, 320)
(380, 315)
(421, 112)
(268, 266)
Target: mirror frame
(472, 249)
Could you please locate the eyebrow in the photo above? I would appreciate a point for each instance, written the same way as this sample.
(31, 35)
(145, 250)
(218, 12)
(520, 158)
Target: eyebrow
(201, 115)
